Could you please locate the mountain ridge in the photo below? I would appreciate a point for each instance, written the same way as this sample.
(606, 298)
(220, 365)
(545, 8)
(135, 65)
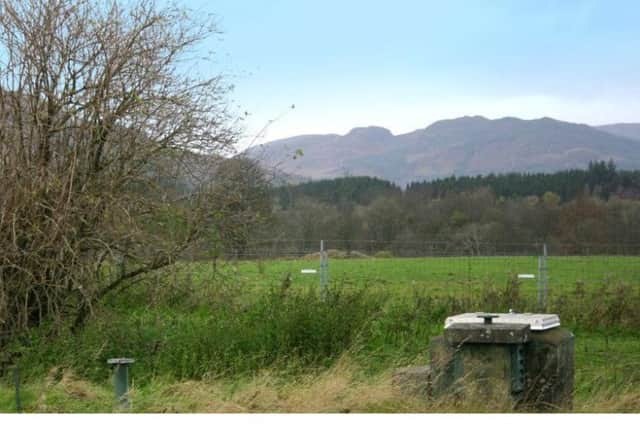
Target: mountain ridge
(468, 145)
(627, 130)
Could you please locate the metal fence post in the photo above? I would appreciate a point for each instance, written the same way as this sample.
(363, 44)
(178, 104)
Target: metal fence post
(542, 279)
(324, 271)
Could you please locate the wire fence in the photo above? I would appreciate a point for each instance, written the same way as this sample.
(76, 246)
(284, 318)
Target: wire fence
(437, 263)
(403, 249)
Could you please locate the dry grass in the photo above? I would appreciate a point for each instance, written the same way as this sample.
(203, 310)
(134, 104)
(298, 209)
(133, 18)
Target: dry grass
(341, 389)
(613, 400)
(63, 391)
(337, 390)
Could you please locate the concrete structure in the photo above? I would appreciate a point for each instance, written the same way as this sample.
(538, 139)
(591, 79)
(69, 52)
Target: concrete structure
(522, 361)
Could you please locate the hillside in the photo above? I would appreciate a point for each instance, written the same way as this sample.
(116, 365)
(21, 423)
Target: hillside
(627, 130)
(462, 146)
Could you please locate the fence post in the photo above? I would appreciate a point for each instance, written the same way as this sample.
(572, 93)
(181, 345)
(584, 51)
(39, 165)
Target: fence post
(542, 279)
(16, 382)
(324, 271)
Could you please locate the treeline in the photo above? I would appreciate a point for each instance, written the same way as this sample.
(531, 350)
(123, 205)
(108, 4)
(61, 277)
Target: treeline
(359, 190)
(597, 206)
(601, 179)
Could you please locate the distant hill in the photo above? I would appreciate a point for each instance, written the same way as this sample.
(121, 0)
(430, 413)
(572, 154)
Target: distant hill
(627, 130)
(462, 146)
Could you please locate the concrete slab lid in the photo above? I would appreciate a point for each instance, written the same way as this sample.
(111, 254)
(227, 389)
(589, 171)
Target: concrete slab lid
(536, 321)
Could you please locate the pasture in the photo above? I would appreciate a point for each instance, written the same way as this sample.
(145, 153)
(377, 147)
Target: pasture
(456, 276)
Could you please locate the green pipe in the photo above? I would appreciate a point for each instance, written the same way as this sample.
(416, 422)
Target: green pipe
(121, 380)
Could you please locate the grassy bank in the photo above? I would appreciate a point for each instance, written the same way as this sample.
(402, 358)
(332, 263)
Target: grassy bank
(342, 388)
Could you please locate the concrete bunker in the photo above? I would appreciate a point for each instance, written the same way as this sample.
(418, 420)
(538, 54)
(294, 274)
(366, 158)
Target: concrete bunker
(520, 360)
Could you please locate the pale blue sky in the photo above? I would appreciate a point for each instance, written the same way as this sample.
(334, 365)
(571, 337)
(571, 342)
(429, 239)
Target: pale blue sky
(405, 64)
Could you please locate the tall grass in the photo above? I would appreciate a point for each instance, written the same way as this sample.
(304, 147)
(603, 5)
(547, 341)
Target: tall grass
(227, 333)
(342, 388)
(284, 328)
(216, 331)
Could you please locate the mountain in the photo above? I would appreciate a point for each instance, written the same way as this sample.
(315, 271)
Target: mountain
(627, 130)
(462, 146)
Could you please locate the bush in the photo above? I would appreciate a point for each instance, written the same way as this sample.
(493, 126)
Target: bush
(276, 330)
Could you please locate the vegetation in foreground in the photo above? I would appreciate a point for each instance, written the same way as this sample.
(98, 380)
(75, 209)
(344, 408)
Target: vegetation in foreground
(340, 389)
(206, 343)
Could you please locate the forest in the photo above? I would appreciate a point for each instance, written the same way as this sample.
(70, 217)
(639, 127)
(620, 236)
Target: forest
(599, 205)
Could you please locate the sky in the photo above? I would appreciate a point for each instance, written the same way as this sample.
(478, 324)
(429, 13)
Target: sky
(404, 64)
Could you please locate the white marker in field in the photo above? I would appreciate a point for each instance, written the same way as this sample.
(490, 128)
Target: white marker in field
(308, 271)
(526, 276)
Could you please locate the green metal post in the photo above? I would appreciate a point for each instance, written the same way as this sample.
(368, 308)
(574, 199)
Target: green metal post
(121, 380)
(542, 279)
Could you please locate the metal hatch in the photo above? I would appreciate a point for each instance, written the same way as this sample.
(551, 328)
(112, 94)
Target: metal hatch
(536, 321)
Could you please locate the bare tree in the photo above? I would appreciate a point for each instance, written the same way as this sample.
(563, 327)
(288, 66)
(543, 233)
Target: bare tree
(101, 125)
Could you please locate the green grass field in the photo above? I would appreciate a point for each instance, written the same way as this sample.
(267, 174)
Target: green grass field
(256, 335)
(439, 275)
